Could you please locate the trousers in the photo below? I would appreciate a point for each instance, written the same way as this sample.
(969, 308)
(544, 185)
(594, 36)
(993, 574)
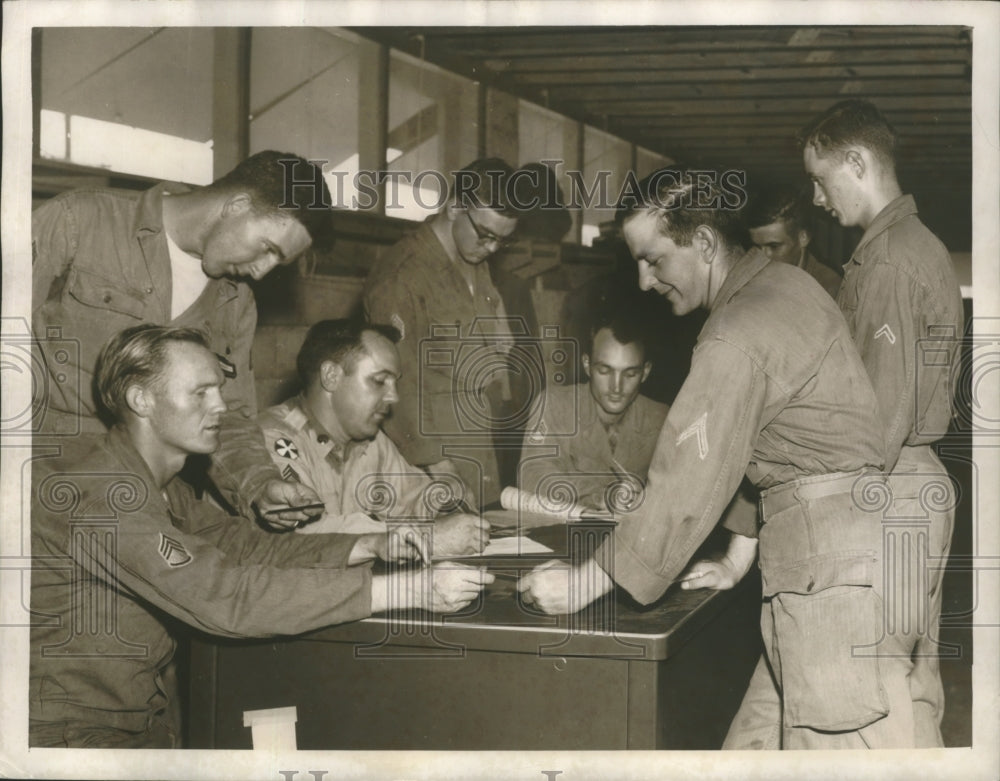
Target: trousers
(851, 664)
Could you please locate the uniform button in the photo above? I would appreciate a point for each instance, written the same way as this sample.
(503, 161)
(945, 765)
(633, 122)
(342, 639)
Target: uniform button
(107, 298)
(149, 290)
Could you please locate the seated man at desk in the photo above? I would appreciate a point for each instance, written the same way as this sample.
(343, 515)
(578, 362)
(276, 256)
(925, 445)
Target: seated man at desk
(614, 427)
(776, 390)
(329, 437)
(119, 543)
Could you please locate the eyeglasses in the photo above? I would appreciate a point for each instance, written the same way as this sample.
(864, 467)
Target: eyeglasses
(487, 237)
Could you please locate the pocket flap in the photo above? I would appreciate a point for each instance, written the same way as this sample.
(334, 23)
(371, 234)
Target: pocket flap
(96, 291)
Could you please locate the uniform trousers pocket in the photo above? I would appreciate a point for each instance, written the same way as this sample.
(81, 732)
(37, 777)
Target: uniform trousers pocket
(829, 672)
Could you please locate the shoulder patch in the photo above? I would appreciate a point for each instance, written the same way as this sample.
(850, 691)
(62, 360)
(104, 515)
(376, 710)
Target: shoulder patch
(290, 474)
(399, 325)
(286, 448)
(173, 552)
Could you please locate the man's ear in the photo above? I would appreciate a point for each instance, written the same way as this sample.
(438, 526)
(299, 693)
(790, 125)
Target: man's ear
(585, 359)
(139, 400)
(706, 242)
(330, 374)
(804, 238)
(647, 367)
(237, 203)
(855, 160)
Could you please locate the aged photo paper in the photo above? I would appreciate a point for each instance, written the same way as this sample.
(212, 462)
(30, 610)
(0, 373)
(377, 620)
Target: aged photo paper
(20, 17)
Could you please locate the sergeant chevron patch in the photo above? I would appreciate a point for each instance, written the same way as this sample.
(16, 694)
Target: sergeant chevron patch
(173, 552)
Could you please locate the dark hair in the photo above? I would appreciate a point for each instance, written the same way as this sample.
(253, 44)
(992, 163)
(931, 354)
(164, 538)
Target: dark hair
(851, 122)
(135, 356)
(483, 183)
(773, 202)
(623, 319)
(284, 183)
(687, 198)
(337, 341)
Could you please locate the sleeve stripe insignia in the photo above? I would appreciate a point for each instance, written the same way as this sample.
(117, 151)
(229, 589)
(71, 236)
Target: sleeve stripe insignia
(286, 448)
(698, 430)
(886, 331)
(399, 325)
(290, 474)
(173, 552)
(228, 367)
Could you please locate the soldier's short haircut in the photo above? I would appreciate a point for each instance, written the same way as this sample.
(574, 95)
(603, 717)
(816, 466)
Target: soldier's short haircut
(135, 356)
(338, 341)
(849, 123)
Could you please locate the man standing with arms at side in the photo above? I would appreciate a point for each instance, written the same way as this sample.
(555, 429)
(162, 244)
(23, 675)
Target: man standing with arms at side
(106, 259)
(777, 221)
(434, 286)
(902, 301)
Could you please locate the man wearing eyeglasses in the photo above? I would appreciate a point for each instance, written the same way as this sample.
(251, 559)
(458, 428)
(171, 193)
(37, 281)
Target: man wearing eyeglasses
(435, 288)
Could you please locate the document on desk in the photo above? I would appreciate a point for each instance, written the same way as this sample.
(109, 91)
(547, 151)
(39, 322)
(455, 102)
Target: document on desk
(505, 546)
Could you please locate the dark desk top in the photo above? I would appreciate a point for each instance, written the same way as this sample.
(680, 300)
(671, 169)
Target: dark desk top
(615, 626)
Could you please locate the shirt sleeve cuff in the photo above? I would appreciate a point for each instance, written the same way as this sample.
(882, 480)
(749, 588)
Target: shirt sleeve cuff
(629, 571)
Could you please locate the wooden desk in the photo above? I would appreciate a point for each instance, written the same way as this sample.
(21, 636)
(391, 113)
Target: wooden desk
(498, 676)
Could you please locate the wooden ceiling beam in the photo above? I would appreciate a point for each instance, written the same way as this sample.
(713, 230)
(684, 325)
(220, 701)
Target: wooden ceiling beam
(902, 71)
(747, 90)
(725, 108)
(741, 58)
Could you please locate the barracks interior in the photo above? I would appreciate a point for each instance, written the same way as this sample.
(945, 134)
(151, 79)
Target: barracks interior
(502, 388)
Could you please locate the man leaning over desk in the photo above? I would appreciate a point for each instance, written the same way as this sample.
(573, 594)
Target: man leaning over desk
(434, 285)
(120, 543)
(106, 259)
(329, 437)
(776, 390)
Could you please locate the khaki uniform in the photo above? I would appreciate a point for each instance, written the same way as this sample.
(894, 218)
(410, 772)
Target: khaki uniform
(362, 485)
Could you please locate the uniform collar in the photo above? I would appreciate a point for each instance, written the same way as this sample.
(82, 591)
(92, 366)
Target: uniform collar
(745, 269)
(589, 417)
(148, 225)
(313, 428)
(894, 211)
(120, 444)
(149, 215)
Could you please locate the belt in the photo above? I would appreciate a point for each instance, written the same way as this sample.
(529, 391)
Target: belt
(780, 498)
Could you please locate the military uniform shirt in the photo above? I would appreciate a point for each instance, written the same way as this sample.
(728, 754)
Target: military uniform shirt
(362, 485)
(903, 306)
(566, 420)
(112, 555)
(772, 394)
(100, 265)
(453, 342)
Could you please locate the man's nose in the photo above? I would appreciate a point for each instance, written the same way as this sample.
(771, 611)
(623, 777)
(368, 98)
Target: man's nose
(616, 382)
(646, 278)
(391, 395)
(818, 199)
(217, 405)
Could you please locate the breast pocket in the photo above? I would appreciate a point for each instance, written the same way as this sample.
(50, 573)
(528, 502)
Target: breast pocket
(104, 295)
